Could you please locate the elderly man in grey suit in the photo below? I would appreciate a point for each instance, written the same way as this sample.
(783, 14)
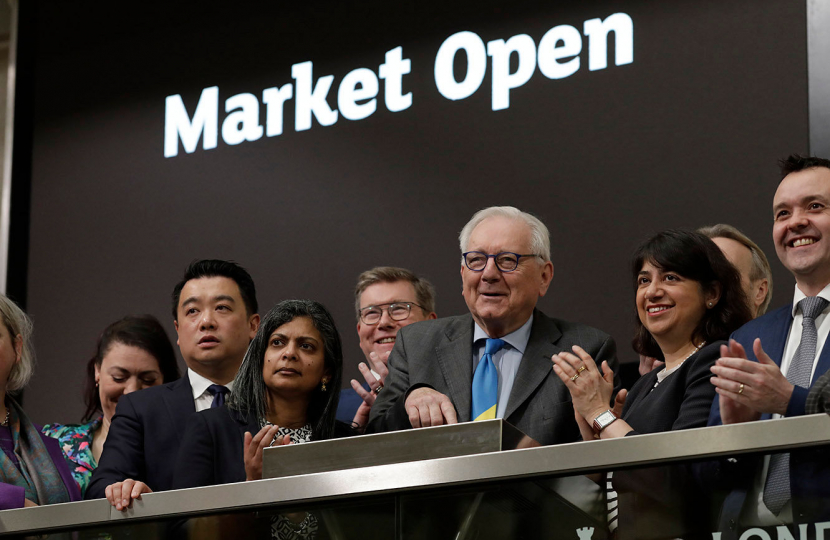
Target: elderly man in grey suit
(494, 362)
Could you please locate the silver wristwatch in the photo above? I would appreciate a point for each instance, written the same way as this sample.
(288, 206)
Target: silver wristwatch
(604, 420)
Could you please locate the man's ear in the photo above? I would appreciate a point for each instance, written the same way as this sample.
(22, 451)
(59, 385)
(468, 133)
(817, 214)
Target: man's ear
(176, 326)
(432, 315)
(761, 292)
(253, 323)
(547, 276)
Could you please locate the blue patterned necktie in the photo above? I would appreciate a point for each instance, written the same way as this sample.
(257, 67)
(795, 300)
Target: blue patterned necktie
(219, 392)
(486, 383)
(777, 488)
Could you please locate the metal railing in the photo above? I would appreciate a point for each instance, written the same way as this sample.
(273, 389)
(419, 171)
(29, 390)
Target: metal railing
(566, 459)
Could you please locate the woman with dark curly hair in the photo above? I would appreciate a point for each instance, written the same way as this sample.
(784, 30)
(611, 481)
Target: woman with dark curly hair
(689, 300)
(286, 392)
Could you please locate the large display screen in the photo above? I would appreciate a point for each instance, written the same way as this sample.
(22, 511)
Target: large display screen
(312, 141)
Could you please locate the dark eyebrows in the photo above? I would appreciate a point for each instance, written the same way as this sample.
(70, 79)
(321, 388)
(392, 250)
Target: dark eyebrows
(302, 339)
(127, 371)
(220, 298)
(801, 202)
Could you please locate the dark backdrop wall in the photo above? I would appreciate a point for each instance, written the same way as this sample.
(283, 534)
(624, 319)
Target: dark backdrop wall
(687, 134)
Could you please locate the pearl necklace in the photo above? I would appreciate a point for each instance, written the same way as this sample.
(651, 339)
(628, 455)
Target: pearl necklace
(692, 353)
(663, 373)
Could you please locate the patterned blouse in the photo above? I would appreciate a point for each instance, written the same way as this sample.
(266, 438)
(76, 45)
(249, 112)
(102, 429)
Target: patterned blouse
(76, 442)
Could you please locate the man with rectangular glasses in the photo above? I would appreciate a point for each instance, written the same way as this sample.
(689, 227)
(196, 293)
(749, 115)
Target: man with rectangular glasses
(386, 299)
(494, 362)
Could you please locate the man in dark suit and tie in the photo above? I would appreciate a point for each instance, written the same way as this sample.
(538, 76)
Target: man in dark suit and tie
(767, 369)
(494, 362)
(215, 316)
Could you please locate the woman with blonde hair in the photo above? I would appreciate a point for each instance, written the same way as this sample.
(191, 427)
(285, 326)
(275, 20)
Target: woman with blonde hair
(32, 466)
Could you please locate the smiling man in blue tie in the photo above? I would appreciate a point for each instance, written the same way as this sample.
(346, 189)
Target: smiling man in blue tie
(493, 362)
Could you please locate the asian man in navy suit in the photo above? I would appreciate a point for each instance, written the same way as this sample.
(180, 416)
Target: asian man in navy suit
(762, 374)
(215, 316)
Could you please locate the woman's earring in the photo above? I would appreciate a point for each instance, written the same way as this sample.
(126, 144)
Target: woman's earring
(711, 304)
(323, 385)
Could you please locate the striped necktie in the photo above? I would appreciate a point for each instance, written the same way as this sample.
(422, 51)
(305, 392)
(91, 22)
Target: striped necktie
(777, 488)
(486, 383)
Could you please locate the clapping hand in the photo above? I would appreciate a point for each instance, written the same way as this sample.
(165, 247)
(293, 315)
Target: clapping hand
(746, 389)
(254, 445)
(590, 389)
(361, 417)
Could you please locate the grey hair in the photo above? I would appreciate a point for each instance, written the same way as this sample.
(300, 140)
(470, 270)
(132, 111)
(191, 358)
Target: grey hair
(424, 291)
(760, 265)
(18, 324)
(539, 235)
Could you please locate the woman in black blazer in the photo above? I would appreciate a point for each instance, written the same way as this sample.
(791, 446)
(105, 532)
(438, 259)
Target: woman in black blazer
(689, 299)
(286, 392)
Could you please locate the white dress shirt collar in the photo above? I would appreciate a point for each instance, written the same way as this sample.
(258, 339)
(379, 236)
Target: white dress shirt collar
(517, 339)
(200, 384)
(799, 296)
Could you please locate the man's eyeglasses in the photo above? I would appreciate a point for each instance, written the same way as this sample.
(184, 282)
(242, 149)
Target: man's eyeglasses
(397, 311)
(506, 261)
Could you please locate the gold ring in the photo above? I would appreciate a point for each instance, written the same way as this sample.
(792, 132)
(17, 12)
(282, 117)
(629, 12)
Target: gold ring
(741, 390)
(581, 369)
(575, 377)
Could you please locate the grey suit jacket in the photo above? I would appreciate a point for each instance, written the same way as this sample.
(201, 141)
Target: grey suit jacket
(439, 354)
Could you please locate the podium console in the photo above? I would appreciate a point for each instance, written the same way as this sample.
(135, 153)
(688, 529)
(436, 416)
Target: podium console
(456, 440)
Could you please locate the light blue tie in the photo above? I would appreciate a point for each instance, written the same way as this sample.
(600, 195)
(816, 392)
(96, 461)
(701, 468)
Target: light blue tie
(486, 383)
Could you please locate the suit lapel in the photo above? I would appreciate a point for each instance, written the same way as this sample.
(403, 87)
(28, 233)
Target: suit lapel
(179, 403)
(251, 425)
(455, 356)
(773, 345)
(823, 362)
(634, 402)
(779, 330)
(536, 363)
